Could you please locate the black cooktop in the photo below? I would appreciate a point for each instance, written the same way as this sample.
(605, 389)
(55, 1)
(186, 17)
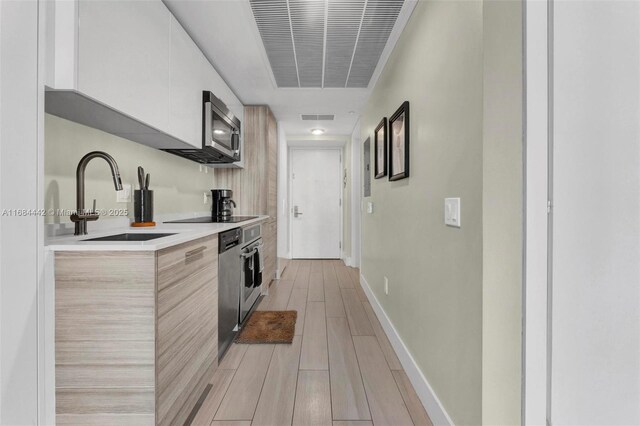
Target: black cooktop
(209, 219)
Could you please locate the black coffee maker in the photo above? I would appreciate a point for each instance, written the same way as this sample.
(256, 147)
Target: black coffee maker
(222, 205)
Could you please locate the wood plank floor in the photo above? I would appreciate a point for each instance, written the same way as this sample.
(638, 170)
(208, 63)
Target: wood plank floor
(340, 370)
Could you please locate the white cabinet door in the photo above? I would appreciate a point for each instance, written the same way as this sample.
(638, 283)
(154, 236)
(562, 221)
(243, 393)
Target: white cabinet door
(123, 57)
(190, 75)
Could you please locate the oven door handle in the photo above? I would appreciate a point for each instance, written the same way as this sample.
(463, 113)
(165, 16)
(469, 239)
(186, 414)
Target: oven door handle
(248, 254)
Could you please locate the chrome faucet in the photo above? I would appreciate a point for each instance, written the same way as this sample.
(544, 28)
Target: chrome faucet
(81, 216)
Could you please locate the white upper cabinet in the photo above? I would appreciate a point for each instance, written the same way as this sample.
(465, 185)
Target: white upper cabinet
(190, 75)
(129, 68)
(123, 57)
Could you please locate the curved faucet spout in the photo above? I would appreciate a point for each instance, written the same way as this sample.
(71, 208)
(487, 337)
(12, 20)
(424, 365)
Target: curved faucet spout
(80, 221)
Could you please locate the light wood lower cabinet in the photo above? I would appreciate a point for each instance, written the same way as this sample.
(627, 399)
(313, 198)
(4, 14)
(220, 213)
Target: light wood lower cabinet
(269, 237)
(136, 333)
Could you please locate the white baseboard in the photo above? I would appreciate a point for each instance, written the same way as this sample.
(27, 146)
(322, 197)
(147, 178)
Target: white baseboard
(425, 392)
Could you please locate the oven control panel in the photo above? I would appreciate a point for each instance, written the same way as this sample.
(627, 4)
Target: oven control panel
(251, 233)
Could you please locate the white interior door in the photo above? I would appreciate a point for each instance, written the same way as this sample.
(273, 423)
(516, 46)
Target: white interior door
(316, 203)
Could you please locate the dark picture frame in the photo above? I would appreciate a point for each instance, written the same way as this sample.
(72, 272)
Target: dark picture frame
(399, 143)
(367, 167)
(380, 149)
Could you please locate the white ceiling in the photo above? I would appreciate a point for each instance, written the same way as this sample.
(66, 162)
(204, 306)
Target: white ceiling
(227, 33)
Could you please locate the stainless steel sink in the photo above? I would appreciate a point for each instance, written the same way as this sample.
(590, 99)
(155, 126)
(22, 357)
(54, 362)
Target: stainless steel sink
(130, 237)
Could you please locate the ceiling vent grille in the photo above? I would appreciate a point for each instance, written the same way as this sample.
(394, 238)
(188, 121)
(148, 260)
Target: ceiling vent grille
(325, 43)
(317, 117)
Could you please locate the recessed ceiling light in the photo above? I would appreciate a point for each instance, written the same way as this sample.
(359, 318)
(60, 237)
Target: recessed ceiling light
(219, 132)
(317, 132)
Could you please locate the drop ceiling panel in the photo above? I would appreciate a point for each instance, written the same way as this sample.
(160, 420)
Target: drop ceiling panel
(272, 18)
(307, 27)
(325, 43)
(343, 23)
(379, 18)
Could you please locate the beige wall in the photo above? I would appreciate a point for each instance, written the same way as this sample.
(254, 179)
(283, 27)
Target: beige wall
(434, 271)
(502, 213)
(177, 183)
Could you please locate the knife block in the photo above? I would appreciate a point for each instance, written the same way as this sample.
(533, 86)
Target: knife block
(143, 208)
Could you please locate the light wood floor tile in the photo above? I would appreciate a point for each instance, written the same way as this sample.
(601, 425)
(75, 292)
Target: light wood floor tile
(329, 273)
(241, 398)
(298, 302)
(344, 277)
(264, 303)
(411, 400)
(358, 320)
(314, 344)
(385, 401)
(313, 399)
(290, 271)
(348, 398)
(316, 287)
(385, 345)
(330, 375)
(233, 356)
(280, 294)
(355, 277)
(302, 277)
(316, 265)
(332, 294)
(335, 305)
(277, 399)
(220, 383)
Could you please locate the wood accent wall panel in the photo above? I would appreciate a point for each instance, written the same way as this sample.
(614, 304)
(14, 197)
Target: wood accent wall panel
(272, 166)
(105, 334)
(255, 186)
(249, 184)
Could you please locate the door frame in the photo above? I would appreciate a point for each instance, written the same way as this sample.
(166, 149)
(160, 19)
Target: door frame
(315, 147)
(536, 295)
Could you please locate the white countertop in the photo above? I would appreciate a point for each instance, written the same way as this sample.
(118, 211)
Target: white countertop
(183, 232)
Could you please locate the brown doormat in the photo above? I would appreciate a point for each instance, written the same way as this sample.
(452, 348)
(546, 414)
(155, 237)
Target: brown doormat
(269, 327)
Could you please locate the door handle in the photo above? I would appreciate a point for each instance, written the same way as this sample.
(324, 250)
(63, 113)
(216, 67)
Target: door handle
(296, 212)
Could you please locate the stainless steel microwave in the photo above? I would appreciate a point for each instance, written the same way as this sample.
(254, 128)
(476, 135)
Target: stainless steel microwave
(220, 134)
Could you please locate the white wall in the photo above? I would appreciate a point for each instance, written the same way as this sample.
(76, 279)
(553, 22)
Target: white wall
(21, 241)
(596, 213)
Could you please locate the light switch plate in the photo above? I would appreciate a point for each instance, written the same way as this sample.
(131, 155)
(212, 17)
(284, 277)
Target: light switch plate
(124, 196)
(452, 212)
(369, 207)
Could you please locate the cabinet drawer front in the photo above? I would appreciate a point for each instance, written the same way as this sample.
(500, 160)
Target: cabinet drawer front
(187, 340)
(104, 296)
(199, 307)
(177, 263)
